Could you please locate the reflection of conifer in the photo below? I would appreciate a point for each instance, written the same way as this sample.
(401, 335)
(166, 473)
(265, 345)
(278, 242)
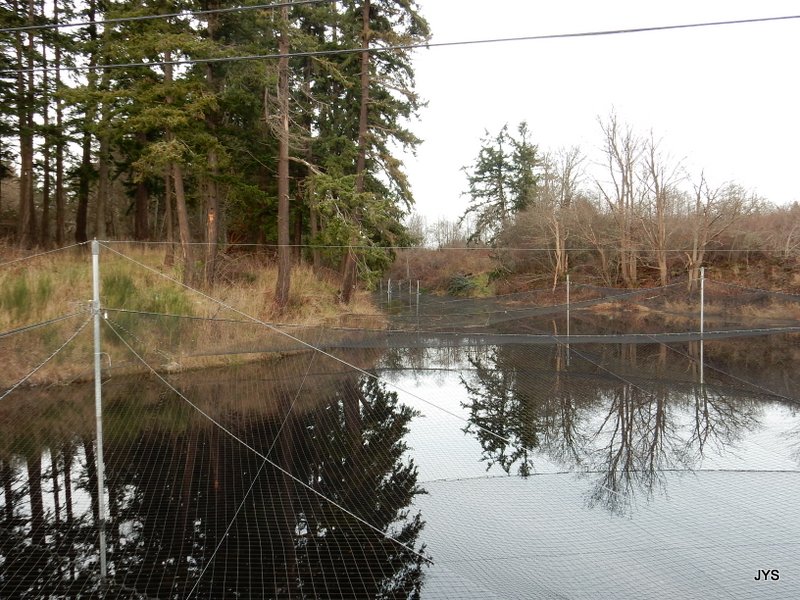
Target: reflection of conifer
(500, 410)
(373, 481)
(175, 483)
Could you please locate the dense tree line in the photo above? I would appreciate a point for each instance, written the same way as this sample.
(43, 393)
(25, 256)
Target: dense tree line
(635, 215)
(179, 141)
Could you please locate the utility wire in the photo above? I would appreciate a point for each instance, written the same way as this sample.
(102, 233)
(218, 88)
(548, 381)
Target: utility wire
(196, 13)
(32, 326)
(398, 47)
(16, 260)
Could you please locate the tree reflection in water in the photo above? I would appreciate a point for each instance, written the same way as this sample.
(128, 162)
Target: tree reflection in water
(175, 483)
(624, 435)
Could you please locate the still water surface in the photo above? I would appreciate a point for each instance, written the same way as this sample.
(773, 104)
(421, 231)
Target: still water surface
(463, 471)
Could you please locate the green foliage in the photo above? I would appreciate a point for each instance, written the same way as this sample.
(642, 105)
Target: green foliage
(366, 222)
(25, 294)
(15, 296)
(118, 291)
(121, 291)
(150, 116)
(502, 182)
(461, 285)
(44, 290)
(473, 285)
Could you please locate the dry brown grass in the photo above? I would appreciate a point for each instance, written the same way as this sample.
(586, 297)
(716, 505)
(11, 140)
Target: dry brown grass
(50, 286)
(436, 269)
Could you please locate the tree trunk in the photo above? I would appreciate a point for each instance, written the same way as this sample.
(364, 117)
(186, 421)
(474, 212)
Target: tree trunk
(37, 504)
(44, 235)
(697, 254)
(67, 453)
(60, 207)
(212, 219)
(284, 251)
(141, 223)
(349, 269)
(24, 108)
(316, 257)
(212, 202)
(297, 233)
(31, 125)
(6, 473)
(559, 249)
(169, 220)
(183, 224)
(363, 115)
(176, 170)
(56, 486)
(103, 184)
(102, 202)
(85, 171)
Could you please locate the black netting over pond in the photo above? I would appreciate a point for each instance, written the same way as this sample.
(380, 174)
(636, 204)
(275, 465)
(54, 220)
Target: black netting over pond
(487, 458)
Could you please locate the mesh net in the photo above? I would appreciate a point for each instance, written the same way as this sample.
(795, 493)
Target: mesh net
(488, 456)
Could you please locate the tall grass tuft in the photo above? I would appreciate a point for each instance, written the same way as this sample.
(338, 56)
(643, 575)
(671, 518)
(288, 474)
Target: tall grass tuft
(15, 297)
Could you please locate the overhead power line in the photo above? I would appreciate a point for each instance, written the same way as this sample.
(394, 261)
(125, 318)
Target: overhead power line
(392, 48)
(196, 13)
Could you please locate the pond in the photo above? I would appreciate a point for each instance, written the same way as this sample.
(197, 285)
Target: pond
(461, 467)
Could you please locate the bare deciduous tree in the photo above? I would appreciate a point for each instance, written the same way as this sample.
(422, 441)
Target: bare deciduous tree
(659, 178)
(622, 150)
(714, 211)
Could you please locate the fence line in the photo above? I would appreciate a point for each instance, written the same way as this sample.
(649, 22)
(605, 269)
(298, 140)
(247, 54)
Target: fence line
(37, 255)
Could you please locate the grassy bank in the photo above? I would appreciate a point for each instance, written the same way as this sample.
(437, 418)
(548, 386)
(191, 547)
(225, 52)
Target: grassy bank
(137, 298)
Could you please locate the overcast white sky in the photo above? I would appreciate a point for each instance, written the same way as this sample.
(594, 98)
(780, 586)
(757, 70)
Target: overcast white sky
(724, 99)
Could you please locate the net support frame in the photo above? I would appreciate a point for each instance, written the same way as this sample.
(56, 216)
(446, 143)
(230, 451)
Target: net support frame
(702, 319)
(98, 410)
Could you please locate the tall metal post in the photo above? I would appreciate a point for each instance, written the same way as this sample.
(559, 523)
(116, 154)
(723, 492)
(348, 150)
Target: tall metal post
(567, 305)
(702, 318)
(567, 319)
(98, 410)
(389, 291)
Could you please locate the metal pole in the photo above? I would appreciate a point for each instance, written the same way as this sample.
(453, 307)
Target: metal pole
(567, 305)
(567, 319)
(702, 317)
(389, 291)
(98, 410)
(417, 298)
